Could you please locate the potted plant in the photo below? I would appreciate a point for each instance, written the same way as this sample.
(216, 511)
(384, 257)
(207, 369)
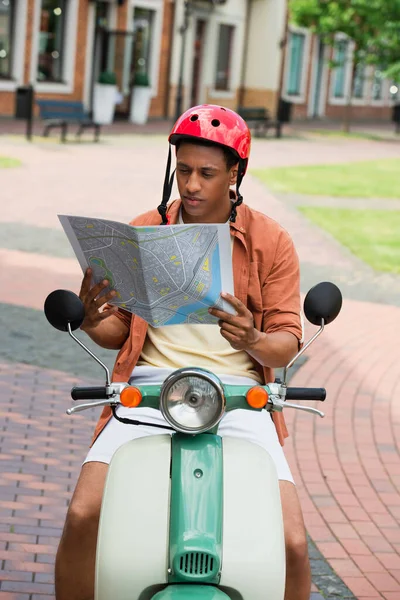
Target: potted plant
(105, 96)
(140, 99)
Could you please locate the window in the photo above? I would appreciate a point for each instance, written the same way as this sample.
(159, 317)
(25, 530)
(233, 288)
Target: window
(102, 13)
(7, 9)
(296, 53)
(359, 80)
(143, 27)
(224, 57)
(377, 85)
(340, 70)
(51, 40)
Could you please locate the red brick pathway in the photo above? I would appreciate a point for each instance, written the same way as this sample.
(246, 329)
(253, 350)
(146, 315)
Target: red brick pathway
(347, 466)
(40, 457)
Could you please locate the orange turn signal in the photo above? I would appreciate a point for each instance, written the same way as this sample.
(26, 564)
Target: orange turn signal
(257, 397)
(131, 397)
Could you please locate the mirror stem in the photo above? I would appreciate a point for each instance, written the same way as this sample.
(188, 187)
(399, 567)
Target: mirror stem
(108, 381)
(304, 348)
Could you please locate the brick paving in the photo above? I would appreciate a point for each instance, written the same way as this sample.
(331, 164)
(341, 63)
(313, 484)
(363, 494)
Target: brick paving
(347, 465)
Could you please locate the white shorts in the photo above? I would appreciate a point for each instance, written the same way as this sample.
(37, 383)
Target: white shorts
(253, 426)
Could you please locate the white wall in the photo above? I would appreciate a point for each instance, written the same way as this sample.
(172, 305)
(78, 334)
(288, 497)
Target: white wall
(267, 26)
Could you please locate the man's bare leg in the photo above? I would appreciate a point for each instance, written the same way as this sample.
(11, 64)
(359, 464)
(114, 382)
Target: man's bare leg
(75, 561)
(298, 573)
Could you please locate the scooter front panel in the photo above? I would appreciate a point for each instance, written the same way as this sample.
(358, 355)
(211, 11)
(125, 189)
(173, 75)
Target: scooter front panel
(132, 546)
(191, 592)
(196, 509)
(253, 555)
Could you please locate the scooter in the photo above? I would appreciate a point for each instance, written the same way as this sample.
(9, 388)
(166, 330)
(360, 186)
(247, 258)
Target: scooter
(191, 515)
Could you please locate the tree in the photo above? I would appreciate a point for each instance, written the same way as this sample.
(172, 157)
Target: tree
(372, 25)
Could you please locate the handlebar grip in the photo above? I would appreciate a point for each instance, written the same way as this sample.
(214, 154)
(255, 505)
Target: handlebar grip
(294, 393)
(89, 393)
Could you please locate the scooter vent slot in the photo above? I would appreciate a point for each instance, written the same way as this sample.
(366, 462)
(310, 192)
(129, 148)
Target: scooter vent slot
(196, 563)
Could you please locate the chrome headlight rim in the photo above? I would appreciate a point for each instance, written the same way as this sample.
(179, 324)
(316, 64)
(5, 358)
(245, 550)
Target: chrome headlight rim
(194, 372)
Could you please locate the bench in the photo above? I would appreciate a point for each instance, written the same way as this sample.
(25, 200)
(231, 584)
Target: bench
(258, 118)
(59, 113)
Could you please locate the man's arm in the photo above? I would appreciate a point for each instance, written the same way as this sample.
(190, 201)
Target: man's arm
(274, 350)
(278, 342)
(268, 349)
(110, 333)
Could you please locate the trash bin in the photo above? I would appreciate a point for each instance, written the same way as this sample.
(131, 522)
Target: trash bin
(396, 113)
(284, 111)
(24, 102)
(396, 116)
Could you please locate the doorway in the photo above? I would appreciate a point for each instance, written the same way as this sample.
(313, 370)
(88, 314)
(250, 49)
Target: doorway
(198, 52)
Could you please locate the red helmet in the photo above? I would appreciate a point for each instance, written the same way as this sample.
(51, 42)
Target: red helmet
(215, 124)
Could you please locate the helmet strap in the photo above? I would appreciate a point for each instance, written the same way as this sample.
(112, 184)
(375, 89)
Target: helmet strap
(239, 197)
(167, 189)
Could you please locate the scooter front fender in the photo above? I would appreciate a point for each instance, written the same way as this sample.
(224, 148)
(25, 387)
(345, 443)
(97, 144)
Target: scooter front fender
(132, 545)
(191, 592)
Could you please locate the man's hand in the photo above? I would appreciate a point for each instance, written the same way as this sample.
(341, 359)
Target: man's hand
(93, 304)
(238, 329)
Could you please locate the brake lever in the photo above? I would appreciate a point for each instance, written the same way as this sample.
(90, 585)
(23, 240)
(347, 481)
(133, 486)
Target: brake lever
(86, 405)
(305, 408)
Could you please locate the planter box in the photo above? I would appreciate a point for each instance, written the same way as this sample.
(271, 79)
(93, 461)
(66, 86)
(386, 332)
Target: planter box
(104, 101)
(140, 104)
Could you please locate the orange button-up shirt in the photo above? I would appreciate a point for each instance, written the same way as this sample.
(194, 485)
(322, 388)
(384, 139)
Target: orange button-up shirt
(266, 279)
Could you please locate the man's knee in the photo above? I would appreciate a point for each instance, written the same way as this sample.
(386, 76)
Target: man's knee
(295, 532)
(84, 509)
(82, 516)
(296, 548)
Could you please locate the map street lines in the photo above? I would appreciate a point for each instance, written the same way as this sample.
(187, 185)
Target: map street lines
(168, 275)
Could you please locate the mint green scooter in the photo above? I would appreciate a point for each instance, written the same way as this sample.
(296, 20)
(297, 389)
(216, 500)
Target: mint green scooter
(191, 515)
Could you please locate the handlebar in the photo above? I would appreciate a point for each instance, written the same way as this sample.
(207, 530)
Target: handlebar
(89, 393)
(295, 393)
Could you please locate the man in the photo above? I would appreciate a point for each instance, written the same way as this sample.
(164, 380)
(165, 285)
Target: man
(212, 149)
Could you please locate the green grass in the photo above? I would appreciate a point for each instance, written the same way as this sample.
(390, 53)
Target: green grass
(362, 135)
(369, 179)
(8, 163)
(372, 235)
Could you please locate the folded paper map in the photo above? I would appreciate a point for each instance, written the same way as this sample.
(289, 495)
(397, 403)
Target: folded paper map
(168, 275)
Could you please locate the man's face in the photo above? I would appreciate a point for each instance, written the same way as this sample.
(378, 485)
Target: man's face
(203, 181)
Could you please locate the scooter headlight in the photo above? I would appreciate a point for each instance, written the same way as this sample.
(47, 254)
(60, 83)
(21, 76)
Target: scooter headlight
(192, 400)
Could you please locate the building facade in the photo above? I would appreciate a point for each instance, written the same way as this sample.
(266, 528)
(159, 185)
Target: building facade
(231, 52)
(316, 90)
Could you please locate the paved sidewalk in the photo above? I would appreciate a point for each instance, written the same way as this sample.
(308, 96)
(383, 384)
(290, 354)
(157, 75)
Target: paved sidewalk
(347, 466)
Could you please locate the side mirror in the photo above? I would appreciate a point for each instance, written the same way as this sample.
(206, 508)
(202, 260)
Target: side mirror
(63, 308)
(323, 302)
(321, 306)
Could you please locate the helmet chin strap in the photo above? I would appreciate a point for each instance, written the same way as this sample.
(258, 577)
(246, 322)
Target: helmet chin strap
(167, 189)
(239, 197)
(169, 181)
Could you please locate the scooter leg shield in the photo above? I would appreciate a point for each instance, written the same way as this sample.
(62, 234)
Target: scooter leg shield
(253, 554)
(132, 546)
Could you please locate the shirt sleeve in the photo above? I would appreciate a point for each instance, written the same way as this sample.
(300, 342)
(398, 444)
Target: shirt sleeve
(281, 291)
(124, 316)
